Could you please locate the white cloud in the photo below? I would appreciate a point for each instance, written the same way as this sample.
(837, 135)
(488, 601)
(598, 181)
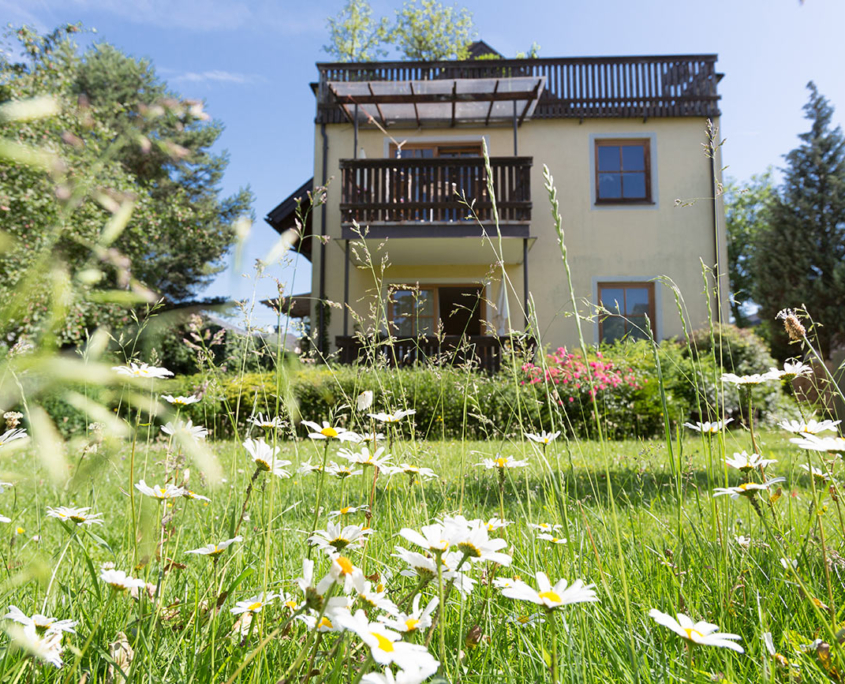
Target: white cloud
(218, 76)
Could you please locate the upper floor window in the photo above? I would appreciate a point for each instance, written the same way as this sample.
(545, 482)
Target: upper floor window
(623, 171)
(436, 150)
(626, 307)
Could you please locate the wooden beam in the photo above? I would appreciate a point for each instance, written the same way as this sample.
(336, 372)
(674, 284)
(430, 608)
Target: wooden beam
(492, 102)
(416, 111)
(454, 101)
(529, 101)
(376, 102)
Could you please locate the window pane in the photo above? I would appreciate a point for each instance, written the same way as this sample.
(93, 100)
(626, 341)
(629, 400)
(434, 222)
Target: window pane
(633, 185)
(404, 326)
(610, 186)
(613, 299)
(612, 329)
(637, 329)
(403, 303)
(425, 303)
(608, 157)
(633, 157)
(425, 326)
(636, 301)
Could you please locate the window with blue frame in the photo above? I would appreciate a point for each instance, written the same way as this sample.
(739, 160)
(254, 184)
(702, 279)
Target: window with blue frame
(623, 171)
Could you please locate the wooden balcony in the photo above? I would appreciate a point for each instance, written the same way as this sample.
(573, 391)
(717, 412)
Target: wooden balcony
(485, 352)
(579, 87)
(427, 191)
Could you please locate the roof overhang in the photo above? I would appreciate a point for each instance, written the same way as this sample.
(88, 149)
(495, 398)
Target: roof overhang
(454, 101)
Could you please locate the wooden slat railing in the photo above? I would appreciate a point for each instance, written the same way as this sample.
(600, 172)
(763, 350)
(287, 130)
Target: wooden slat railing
(429, 190)
(485, 352)
(578, 87)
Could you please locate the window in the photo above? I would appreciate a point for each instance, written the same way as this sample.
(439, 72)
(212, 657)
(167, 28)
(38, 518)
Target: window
(627, 305)
(436, 150)
(455, 309)
(623, 172)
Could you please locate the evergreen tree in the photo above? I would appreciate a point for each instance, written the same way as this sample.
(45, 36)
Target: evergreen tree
(799, 255)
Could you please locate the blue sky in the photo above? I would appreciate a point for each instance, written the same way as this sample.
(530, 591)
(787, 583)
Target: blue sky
(252, 61)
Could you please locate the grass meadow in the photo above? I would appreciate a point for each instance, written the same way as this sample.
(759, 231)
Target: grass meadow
(640, 524)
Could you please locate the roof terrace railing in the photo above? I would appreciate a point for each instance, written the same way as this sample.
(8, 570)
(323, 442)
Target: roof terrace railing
(575, 87)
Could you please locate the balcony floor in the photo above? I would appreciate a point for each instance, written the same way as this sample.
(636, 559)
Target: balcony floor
(422, 251)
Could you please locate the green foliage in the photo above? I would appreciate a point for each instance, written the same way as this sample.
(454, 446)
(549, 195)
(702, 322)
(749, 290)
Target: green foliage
(127, 154)
(799, 255)
(427, 31)
(354, 35)
(746, 207)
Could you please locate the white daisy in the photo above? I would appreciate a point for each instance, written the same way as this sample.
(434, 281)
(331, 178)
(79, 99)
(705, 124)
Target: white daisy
(815, 472)
(342, 572)
(551, 538)
(746, 488)
(347, 510)
(412, 674)
(544, 438)
(79, 516)
(364, 458)
(374, 597)
(43, 646)
(834, 445)
(792, 368)
(307, 468)
(12, 435)
(496, 524)
(502, 463)
(811, 427)
(748, 380)
(709, 428)
(253, 605)
(142, 370)
(391, 417)
(264, 457)
(215, 549)
(180, 401)
(120, 581)
(417, 620)
(158, 492)
(342, 471)
(196, 432)
(267, 423)
(188, 494)
(42, 623)
(528, 620)
(745, 462)
(385, 644)
(434, 538)
(702, 633)
(327, 431)
(475, 543)
(336, 538)
(364, 400)
(552, 596)
(545, 527)
(415, 471)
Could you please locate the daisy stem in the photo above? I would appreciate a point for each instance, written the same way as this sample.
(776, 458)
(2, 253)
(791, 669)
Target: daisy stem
(56, 569)
(439, 560)
(319, 495)
(553, 626)
(502, 494)
(818, 514)
(690, 672)
(246, 500)
(90, 637)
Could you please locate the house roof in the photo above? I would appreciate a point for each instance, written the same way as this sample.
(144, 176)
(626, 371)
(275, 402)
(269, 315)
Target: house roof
(295, 306)
(283, 216)
(481, 49)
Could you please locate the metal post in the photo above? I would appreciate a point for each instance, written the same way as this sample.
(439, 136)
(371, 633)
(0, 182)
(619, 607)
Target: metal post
(346, 290)
(355, 124)
(515, 137)
(525, 277)
(321, 301)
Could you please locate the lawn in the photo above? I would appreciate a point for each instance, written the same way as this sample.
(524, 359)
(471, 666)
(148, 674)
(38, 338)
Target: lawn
(640, 524)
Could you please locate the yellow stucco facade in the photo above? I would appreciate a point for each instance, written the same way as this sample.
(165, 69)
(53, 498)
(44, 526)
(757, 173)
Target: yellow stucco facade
(666, 241)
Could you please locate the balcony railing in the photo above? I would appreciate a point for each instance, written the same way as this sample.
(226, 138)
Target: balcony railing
(579, 87)
(484, 352)
(430, 190)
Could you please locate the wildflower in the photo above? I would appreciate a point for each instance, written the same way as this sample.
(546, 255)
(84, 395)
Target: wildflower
(744, 542)
(328, 622)
(792, 369)
(747, 380)
(811, 427)
(746, 489)
(4, 519)
(527, 620)
(416, 471)
(142, 370)
(496, 524)
(417, 620)
(365, 458)
(341, 471)
(432, 538)
(120, 581)
(392, 417)
(46, 647)
(326, 431)
(12, 418)
(777, 657)
(3, 485)
(788, 563)
(374, 597)
(196, 432)
(502, 463)
(288, 601)
(815, 472)
(544, 438)
(253, 605)
(42, 623)
(180, 401)
(545, 527)
(552, 538)
(158, 492)
(12, 435)
(412, 674)
(505, 582)
(709, 428)
(335, 538)
(216, 549)
(347, 510)
(702, 633)
(813, 443)
(792, 325)
(342, 572)
(188, 494)
(385, 645)
(475, 543)
(551, 597)
(266, 423)
(307, 468)
(744, 462)
(364, 400)
(264, 457)
(80, 516)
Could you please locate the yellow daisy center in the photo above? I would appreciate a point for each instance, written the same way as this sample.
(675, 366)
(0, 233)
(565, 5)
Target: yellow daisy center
(501, 462)
(690, 631)
(345, 510)
(384, 643)
(550, 595)
(325, 622)
(524, 619)
(411, 624)
(329, 432)
(290, 604)
(254, 606)
(345, 565)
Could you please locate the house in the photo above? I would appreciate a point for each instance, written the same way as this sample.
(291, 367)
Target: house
(400, 146)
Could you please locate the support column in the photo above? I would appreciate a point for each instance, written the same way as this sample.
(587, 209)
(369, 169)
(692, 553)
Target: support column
(525, 278)
(355, 143)
(346, 290)
(515, 137)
